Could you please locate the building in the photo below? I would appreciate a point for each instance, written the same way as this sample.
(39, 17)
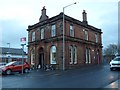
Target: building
(11, 54)
(83, 45)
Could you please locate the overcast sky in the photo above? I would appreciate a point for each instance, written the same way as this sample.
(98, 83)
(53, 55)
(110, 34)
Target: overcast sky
(16, 15)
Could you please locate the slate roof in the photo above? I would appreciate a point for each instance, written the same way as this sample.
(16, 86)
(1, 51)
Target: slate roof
(60, 16)
(15, 51)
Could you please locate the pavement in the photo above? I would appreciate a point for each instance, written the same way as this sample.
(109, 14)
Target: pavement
(41, 72)
(115, 84)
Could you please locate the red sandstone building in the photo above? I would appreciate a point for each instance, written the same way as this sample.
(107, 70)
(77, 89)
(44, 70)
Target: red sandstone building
(83, 45)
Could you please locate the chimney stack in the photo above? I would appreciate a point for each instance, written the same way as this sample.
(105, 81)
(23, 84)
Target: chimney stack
(44, 11)
(84, 17)
(43, 16)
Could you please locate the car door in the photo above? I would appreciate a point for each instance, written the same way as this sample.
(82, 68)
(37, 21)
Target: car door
(17, 66)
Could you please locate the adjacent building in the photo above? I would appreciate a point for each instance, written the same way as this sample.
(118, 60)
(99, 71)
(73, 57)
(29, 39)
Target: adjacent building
(12, 54)
(83, 45)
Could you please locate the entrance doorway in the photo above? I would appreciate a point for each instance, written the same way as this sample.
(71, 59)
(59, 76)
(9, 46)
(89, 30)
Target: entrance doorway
(41, 58)
(97, 57)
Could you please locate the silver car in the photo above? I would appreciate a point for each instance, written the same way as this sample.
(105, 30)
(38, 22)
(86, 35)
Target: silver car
(115, 63)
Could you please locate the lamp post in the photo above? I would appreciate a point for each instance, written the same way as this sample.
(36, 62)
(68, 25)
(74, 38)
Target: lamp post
(22, 56)
(64, 35)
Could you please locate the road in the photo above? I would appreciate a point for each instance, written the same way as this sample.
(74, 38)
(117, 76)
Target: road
(89, 77)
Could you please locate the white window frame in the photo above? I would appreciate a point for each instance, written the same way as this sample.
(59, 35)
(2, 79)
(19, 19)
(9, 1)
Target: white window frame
(53, 30)
(75, 55)
(71, 31)
(42, 33)
(96, 37)
(33, 36)
(89, 55)
(53, 50)
(33, 56)
(86, 61)
(86, 35)
(71, 54)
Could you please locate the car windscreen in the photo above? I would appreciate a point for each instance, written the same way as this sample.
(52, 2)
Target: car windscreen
(10, 63)
(117, 59)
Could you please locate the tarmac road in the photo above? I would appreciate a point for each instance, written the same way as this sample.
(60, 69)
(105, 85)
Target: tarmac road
(98, 76)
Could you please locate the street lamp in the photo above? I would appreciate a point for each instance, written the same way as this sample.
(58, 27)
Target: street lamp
(64, 36)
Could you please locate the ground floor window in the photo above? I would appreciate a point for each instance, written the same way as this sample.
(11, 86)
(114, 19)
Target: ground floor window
(88, 56)
(33, 56)
(73, 54)
(53, 55)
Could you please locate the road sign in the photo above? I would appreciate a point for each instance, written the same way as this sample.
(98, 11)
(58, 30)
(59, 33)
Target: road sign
(23, 40)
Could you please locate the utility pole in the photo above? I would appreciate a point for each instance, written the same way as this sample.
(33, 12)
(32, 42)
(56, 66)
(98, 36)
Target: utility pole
(64, 35)
(23, 42)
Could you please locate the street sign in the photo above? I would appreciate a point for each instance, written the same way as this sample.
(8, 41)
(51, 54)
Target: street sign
(23, 40)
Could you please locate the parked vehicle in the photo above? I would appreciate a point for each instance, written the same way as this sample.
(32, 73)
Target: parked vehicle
(15, 66)
(115, 63)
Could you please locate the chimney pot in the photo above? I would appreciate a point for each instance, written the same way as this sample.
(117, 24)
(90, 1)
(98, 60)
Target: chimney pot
(84, 17)
(43, 16)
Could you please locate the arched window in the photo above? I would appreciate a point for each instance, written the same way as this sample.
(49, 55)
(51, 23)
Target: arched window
(75, 55)
(88, 56)
(71, 54)
(53, 55)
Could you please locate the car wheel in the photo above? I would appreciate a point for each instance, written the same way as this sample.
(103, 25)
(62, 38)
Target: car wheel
(26, 70)
(8, 72)
(111, 69)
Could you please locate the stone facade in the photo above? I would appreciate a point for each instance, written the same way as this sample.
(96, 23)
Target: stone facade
(83, 43)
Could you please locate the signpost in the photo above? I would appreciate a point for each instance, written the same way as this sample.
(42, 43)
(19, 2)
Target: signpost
(23, 42)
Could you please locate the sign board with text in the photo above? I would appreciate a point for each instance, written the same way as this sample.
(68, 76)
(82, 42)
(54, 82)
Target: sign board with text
(23, 40)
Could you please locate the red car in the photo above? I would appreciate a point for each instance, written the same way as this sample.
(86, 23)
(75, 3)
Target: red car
(15, 66)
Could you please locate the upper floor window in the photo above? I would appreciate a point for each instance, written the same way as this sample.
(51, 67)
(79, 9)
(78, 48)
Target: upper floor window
(96, 38)
(53, 31)
(71, 31)
(86, 35)
(42, 33)
(33, 36)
